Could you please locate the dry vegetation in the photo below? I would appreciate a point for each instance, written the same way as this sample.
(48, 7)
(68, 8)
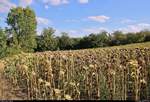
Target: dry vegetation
(117, 73)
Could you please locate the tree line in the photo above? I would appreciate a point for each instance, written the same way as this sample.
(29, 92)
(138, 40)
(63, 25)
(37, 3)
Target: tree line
(20, 36)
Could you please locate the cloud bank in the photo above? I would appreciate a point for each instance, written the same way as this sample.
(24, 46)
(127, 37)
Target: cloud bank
(100, 19)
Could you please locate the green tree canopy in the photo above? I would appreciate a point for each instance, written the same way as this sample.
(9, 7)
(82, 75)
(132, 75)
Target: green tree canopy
(3, 41)
(47, 40)
(118, 38)
(65, 42)
(23, 22)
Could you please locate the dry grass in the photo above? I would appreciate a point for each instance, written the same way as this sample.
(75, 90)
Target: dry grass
(2, 67)
(105, 73)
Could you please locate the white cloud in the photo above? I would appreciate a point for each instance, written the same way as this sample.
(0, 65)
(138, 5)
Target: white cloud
(39, 31)
(2, 19)
(85, 31)
(43, 21)
(46, 6)
(72, 20)
(80, 32)
(100, 19)
(25, 3)
(136, 27)
(94, 30)
(126, 21)
(60, 2)
(58, 32)
(83, 1)
(65, 1)
(73, 31)
(5, 5)
(55, 2)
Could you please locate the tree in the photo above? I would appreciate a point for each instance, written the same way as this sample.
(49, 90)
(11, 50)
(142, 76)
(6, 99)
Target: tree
(95, 40)
(147, 37)
(23, 22)
(140, 36)
(47, 40)
(131, 38)
(3, 40)
(103, 39)
(145, 34)
(118, 38)
(85, 42)
(65, 42)
(76, 42)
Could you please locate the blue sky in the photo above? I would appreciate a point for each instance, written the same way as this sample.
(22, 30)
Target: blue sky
(82, 17)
